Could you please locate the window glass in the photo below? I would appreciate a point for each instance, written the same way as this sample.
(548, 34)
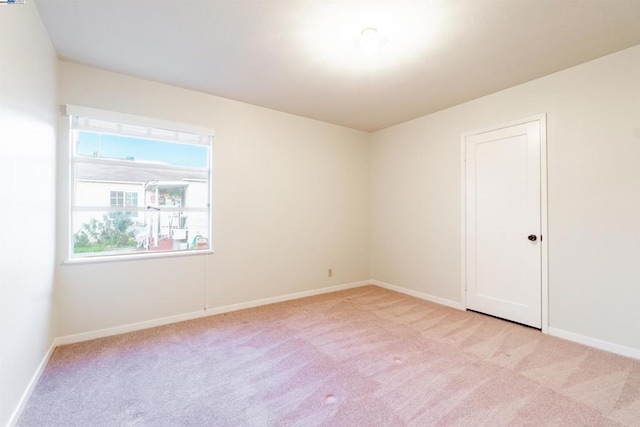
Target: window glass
(139, 194)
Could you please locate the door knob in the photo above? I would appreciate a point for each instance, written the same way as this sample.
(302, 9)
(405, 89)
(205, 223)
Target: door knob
(532, 237)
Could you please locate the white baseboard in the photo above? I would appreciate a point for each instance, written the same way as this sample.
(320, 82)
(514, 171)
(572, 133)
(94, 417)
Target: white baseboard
(116, 330)
(123, 329)
(426, 297)
(282, 298)
(595, 343)
(571, 336)
(13, 419)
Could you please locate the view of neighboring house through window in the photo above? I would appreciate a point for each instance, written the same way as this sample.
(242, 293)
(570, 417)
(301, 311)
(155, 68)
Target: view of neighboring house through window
(138, 189)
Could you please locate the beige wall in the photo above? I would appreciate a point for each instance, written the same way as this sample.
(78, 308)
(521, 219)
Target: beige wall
(593, 122)
(27, 217)
(290, 200)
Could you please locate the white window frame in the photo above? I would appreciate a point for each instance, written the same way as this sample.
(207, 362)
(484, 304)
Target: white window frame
(164, 131)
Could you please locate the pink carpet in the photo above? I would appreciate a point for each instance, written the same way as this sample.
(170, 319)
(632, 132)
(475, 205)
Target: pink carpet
(362, 357)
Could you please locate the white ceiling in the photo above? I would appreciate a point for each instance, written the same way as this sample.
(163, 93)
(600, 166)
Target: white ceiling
(302, 56)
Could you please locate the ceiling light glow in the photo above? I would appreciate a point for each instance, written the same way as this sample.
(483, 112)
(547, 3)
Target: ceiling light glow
(369, 42)
(371, 37)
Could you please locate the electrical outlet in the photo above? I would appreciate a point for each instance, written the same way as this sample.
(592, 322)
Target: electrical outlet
(330, 272)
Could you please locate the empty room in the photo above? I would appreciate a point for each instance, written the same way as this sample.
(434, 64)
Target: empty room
(320, 213)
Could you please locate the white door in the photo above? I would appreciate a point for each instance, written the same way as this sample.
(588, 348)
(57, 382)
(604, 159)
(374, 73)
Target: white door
(503, 222)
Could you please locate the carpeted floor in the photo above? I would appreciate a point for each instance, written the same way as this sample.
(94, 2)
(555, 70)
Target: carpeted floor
(362, 357)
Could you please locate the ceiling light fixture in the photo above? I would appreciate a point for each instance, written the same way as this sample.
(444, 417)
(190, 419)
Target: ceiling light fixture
(369, 42)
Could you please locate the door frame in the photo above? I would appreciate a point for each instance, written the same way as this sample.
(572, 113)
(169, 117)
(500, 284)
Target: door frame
(542, 122)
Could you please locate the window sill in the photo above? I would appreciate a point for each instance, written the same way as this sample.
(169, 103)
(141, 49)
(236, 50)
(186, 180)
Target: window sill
(139, 256)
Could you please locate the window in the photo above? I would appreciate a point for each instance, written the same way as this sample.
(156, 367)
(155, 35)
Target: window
(137, 189)
(121, 199)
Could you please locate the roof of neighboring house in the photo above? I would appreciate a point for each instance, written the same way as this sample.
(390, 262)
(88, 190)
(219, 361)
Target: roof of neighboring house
(136, 172)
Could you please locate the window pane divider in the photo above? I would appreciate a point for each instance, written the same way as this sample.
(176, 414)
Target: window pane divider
(134, 164)
(138, 209)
